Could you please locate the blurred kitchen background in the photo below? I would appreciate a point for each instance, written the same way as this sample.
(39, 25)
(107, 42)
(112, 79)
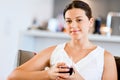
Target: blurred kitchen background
(27, 15)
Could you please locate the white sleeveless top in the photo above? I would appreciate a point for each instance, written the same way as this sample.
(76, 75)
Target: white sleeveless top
(90, 67)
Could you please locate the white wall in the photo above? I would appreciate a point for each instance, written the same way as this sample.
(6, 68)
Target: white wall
(16, 15)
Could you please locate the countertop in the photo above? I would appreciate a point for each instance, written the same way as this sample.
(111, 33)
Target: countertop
(42, 33)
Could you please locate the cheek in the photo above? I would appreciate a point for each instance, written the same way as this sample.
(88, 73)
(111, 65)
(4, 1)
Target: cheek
(86, 28)
(67, 28)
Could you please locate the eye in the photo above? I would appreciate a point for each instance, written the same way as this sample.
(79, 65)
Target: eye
(79, 20)
(68, 21)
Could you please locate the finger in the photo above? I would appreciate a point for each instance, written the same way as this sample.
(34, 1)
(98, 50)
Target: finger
(63, 70)
(57, 78)
(60, 78)
(60, 67)
(60, 64)
(63, 75)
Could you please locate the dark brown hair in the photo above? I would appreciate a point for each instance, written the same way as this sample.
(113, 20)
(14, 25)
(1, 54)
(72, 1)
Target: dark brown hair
(79, 4)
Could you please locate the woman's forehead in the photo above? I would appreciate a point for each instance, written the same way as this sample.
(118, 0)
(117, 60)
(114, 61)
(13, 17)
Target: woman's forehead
(75, 13)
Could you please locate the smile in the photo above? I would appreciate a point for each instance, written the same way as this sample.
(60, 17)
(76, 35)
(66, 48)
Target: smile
(75, 31)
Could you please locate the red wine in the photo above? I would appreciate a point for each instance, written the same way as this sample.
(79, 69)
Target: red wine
(70, 71)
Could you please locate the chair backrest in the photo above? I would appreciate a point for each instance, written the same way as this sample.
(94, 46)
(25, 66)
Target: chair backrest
(24, 56)
(117, 59)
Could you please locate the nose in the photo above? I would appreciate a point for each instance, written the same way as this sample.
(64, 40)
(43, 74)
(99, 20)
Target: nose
(74, 24)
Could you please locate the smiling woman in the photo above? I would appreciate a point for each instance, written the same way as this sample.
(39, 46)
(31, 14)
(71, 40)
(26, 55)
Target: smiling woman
(81, 21)
(89, 61)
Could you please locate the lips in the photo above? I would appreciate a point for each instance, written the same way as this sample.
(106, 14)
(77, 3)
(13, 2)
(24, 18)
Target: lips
(74, 31)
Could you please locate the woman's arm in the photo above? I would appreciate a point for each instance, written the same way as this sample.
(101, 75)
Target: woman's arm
(110, 69)
(19, 74)
(34, 68)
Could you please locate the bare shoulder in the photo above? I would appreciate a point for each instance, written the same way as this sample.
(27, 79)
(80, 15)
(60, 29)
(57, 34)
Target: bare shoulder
(108, 56)
(45, 54)
(47, 51)
(110, 70)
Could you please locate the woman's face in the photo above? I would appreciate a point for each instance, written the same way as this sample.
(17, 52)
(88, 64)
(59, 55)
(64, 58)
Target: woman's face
(77, 23)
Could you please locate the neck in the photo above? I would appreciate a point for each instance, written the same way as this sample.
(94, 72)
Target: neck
(80, 44)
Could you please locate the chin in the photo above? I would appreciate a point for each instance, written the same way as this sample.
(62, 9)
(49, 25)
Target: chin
(76, 37)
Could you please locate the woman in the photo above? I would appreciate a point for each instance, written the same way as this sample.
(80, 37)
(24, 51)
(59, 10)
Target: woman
(89, 61)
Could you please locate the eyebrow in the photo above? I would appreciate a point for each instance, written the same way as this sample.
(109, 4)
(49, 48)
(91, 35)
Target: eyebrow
(79, 16)
(75, 17)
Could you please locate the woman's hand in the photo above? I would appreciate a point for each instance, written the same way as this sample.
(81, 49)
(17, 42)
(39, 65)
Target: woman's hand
(75, 76)
(55, 72)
